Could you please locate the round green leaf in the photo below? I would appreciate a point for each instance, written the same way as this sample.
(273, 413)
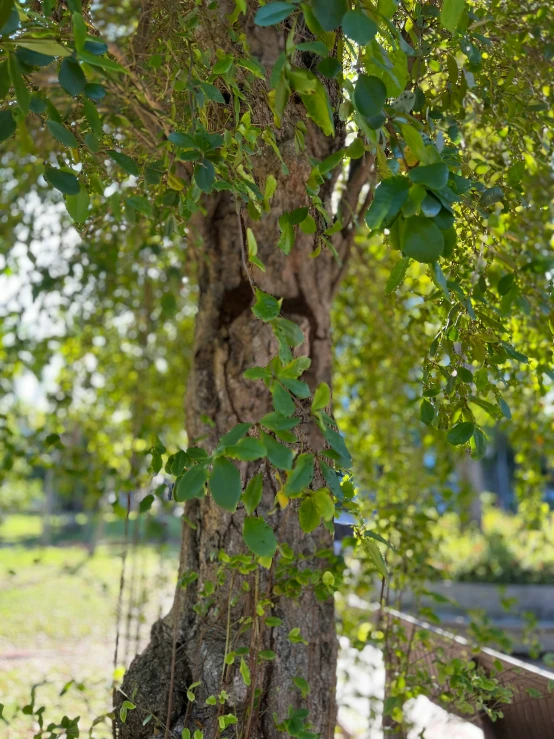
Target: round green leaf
(259, 537)
(329, 13)
(63, 181)
(370, 95)
(225, 484)
(421, 239)
(77, 205)
(7, 124)
(358, 27)
(71, 77)
(460, 433)
(273, 13)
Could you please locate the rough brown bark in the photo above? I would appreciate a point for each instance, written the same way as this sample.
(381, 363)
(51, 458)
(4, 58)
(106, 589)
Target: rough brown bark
(229, 339)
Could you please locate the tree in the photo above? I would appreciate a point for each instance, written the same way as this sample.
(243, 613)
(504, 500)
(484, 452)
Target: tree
(258, 148)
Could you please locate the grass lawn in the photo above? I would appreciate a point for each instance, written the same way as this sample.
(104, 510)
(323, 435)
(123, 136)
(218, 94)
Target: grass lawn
(57, 625)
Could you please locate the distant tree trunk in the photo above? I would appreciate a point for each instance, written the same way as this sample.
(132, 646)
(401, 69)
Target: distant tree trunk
(48, 508)
(471, 476)
(229, 339)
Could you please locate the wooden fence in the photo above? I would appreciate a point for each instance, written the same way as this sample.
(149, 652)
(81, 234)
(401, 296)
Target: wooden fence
(530, 715)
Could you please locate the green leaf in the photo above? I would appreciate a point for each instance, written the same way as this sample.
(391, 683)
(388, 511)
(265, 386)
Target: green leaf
(282, 401)
(94, 91)
(376, 557)
(125, 162)
(389, 197)
(490, 196)
(45, 46)
(278, 422)
(331, 479)
(505, 408)
(451, 14)
(322, 397)
(63, 181)
(286, 239)
(460, 433)
(247, 450)
(427, 412)
(266, 307)
(142, 205)
(338, 444)
(22, 93)
(212, 92)
(79, 31)
(324, 503)
(370, 95)
(290, 331)
(434, 176)
(77, 205)
(234, 435)
(319, 108)
(267, 654)
(62, 134)
(93, 118)
(252, 496)
(92, 143)
(191, 484)
(280, 456)
(146, 503)
(7, 124)
(6, 7)
(329, 67)
(309, 515)
(421, 240)
(101, 61)
(225, 484)
(273, 13)
(414, 140)
(478, 444)
(182, 140)
(204, 175)
(259, 537)
(397, 275)
(329, 13)
(301, 476)
(358, 27)
(297, 387)
(71, 77)
(245, 672)
(302, 685)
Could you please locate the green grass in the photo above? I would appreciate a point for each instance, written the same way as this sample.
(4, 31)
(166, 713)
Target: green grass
(26, 529)
(57, 624)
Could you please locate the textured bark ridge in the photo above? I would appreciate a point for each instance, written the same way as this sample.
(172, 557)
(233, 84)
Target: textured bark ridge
(229, 339)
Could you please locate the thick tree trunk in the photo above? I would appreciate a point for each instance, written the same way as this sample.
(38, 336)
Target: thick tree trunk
(229, 339)
(212, 614)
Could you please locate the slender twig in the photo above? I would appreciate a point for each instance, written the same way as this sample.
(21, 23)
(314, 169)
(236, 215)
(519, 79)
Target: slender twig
(120, 605)
(243, 246)
(176, 613)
